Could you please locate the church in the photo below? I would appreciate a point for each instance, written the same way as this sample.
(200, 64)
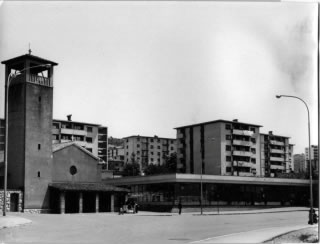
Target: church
(40, 176)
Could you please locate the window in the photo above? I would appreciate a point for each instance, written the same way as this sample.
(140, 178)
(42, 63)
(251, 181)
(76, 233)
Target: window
(253, 129)
(151, 140)
(159, 147)
(253, 140)
(73, 170)
(228, 127)
(151, 153)
(138, 152)
(138, 145)
(55, 137)
(172, 148)
(89, 139)
(228, 158)
(253, 150)
(228, 137)
(89, 129)
(151, 146)
(253, 160)
(39, 146)
(151, 159)
(228, 148)
(159, 153)
(38, 174)
(228, 169)
(39, 99)
(55, 125)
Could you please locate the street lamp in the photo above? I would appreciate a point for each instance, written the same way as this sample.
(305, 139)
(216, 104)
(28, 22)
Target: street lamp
(11, 76)
(310, 166)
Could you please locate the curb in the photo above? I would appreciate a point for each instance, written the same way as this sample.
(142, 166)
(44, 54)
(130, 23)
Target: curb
(238, 213)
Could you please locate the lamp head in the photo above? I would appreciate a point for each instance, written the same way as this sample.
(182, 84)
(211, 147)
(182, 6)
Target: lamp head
(278, 96)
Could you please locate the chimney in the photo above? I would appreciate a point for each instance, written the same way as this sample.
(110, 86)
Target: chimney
(69, 117)
(235, 120)
(270, 132)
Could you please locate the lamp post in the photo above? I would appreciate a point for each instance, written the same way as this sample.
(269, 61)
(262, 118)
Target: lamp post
(11, 76)
(310, 166)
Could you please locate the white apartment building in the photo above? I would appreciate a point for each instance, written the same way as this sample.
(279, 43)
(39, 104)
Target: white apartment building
(276, 154)
(234, 148)
(148, 150)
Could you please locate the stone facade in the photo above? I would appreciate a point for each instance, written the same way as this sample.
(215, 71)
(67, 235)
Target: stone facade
(9, 204)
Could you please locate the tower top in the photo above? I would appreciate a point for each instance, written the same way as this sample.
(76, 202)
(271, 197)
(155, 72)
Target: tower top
(30, 57)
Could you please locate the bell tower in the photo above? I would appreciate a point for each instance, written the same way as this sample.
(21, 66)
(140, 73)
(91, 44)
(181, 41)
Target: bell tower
(30, 103)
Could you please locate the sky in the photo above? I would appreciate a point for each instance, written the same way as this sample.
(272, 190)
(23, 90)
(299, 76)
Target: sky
(144, 68)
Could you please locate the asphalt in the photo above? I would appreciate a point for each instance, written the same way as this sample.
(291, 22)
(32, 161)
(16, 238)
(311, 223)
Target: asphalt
(254, 236)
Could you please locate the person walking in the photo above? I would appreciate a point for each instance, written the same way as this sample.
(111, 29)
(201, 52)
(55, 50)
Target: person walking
(180, 207)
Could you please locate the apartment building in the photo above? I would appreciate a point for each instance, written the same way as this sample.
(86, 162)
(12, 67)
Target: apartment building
(299, 161)
(148, 150)
(219, 147)
(276, 154)
(314, 156)
(92, 137)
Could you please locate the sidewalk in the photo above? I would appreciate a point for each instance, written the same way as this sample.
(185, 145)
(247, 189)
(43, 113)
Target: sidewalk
(254, 236)
(12, 221)
(223, 212)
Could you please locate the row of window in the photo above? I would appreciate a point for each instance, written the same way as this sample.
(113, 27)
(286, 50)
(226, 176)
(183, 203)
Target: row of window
(152, 147)
(229, 137)
(244, 149)
(252, 160)
(70, 138)
(75, 127)
(240, 127)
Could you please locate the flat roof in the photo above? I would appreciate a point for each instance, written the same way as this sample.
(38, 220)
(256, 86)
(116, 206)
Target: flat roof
(267, 134)
(152, 137)
(73, 186)
(218, 121)
(196, 178)
(75, 122)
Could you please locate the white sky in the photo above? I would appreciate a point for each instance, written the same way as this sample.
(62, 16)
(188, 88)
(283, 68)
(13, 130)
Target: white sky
(147, 67)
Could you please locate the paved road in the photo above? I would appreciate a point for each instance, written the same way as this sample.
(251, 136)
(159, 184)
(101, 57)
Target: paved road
(141, 228)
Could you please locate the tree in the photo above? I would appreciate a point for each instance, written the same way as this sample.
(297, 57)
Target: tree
(171, 163)
(169, 167)
(131, 169)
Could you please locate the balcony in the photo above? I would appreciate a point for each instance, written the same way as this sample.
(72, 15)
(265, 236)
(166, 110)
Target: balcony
(40, 80)
(242, 153)
(281, 167)
(277, 151)
(278, 159)
(242, 164)
(73, 132)
(243, 132)
(242, 173)
(242, 143)
(279, 143)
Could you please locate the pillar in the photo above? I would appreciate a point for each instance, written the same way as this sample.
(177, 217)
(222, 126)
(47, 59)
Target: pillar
(62, 202)
(112, 203)
(97, 202)
(80, 202)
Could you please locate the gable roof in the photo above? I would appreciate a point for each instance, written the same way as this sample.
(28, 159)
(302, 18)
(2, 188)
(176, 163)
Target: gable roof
(60, 146)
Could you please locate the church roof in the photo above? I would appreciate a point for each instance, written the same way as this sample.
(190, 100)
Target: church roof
(59, 146)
